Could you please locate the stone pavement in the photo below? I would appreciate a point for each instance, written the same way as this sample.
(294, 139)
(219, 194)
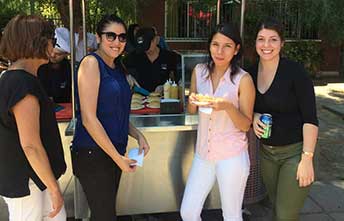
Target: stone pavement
(326, 199)
(325, 203)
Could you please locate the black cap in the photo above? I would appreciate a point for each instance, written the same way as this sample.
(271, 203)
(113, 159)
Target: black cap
(143, 38)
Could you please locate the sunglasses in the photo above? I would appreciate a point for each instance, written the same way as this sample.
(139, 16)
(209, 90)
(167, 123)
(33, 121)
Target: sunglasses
(111, 36)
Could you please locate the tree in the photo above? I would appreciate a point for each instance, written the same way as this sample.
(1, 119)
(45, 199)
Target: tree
(10, 8)
(331, 25)
(59, 9)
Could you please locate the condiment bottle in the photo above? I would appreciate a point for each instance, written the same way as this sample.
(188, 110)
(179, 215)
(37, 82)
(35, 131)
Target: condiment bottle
(174, 91)
(167, 88)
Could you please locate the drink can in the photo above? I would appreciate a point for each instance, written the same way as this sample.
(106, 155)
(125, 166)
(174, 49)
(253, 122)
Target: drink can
(267, 120)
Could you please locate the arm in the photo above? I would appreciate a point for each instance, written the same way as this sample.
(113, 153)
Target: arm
(135, 133)
(306, 101)
(88, 85)
(305, 170)
(26, 113)
(242, 116)
(192, 108)
(310, 136)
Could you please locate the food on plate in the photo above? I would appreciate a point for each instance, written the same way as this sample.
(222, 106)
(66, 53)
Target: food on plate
(136, 100)
(154, 94)
(136, 106)
(137, 96)
(153, 104)
(153, 99)
(204, 98)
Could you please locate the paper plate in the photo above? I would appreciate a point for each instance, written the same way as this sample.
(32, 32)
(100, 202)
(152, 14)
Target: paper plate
(200, 103)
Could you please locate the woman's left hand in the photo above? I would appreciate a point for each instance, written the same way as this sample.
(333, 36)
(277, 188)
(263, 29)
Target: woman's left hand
(220, 104)
(143, 144)
(305, 171)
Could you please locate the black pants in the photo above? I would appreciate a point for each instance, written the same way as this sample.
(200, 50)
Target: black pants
(99, 177)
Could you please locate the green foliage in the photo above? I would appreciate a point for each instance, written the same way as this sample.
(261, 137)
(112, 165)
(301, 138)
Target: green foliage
(306, 52)
(5, 17)
(47, 9)
(126, 9)
(332, 21)
(9, 9)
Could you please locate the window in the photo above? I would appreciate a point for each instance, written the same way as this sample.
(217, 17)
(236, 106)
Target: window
(194, 20)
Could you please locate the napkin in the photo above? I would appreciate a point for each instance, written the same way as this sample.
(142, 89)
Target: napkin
(134, 155)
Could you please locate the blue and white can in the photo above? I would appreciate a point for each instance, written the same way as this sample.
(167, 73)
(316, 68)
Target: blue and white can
(267, 120)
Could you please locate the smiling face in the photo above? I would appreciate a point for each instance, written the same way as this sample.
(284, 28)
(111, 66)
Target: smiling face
(222, 49)
(268, 44)
(113, 48)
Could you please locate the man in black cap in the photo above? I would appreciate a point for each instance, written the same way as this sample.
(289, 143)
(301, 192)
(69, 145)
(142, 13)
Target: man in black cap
(56, 75)
(149, 64)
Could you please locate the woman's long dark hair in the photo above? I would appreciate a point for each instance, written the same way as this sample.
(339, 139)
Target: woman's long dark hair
(232, 32)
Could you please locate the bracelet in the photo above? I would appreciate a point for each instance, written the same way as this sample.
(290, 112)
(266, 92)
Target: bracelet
(310, 154)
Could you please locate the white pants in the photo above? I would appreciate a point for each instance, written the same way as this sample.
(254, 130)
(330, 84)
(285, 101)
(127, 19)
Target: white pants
(35, 207)
(231, 175)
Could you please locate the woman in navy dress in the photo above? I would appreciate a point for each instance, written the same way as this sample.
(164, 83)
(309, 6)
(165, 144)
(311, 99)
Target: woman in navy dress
(101, 134)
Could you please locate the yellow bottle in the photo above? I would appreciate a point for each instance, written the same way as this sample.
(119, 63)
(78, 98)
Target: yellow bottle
(167, 87)
(174, 91)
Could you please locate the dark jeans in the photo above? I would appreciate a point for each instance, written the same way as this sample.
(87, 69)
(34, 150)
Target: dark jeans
(99, 177)
(279, 167)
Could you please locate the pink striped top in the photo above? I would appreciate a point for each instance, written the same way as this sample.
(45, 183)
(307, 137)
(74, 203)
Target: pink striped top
(217, 137)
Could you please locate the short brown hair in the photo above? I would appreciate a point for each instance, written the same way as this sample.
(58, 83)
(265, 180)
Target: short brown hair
(26, 36)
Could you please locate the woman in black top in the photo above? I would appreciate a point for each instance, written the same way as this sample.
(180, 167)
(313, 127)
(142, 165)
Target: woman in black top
(285, 91)
(31, 154)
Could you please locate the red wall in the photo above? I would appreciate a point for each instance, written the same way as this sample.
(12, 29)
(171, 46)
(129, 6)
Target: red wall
(331, 56)
(152, 14)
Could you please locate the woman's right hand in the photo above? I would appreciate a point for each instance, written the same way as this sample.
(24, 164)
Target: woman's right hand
(192, 97)
(56, 202)
(258, 126)
(126, 164)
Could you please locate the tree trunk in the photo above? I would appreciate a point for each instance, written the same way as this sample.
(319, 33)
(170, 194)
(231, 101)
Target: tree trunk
(63, 8)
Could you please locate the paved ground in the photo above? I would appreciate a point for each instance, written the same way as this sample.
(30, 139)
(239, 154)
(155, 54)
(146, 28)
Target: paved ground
(326, 200)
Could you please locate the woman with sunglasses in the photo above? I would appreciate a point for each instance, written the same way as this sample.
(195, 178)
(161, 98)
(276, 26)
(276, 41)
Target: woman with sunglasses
(31, 153)
(101, 134)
